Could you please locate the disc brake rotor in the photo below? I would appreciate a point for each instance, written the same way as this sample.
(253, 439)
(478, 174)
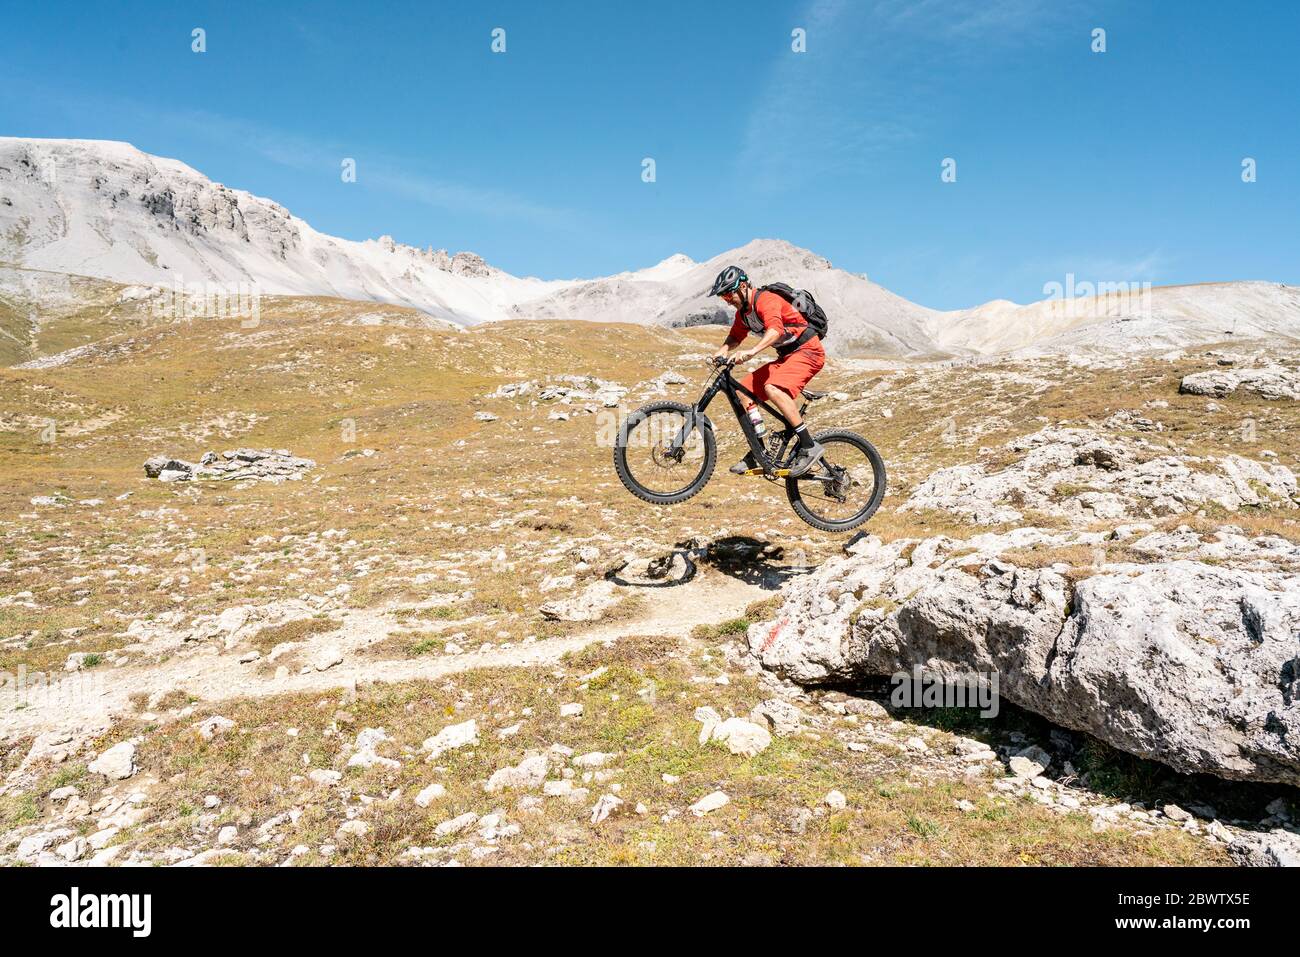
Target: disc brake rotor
(666, 458)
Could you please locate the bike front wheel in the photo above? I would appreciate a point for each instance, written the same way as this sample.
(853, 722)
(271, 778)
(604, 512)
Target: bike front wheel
(650, 462)
(845, 488)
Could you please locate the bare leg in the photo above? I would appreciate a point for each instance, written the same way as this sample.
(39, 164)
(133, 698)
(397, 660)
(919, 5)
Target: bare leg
(783, 401)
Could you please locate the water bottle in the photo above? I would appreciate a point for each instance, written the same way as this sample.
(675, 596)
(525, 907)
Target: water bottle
(756, 417)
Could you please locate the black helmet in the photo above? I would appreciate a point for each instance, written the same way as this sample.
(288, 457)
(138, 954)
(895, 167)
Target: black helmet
(728, 280)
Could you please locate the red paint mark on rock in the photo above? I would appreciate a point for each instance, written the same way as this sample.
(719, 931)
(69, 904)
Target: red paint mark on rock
(773, 634)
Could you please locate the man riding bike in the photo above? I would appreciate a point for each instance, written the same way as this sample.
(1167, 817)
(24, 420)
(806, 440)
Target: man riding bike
(800, 356)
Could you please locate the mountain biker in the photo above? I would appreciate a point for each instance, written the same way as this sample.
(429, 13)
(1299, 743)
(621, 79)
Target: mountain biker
(780, 325)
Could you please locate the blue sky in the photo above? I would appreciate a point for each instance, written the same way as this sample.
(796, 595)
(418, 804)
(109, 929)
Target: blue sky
(1115, 166)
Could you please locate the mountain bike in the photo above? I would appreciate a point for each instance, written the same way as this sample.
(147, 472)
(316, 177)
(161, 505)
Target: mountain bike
(665, 453)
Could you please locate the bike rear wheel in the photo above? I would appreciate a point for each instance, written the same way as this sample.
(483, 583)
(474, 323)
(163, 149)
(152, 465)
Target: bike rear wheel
(646, 462)
(845, 488)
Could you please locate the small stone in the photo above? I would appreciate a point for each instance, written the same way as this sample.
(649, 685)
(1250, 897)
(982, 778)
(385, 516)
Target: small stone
(1278, 807)
(741, 737)
(213, 727)
(1024, 768)
(607, 804)
(99, 840)
(528, 774)
(117, 763)
(451, 737)
(430, 794)
(781, 717)
(73, 850)
(456, 824)
(836, 801)
(710, 803)
(327, 658)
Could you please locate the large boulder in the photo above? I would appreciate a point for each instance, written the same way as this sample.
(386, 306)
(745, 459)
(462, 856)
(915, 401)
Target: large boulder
(1192, 659)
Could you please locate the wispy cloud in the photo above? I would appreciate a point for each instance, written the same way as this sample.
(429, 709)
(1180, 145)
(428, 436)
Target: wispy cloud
(459, 196)
(1141, 267)
(865, 81)
(378, 170)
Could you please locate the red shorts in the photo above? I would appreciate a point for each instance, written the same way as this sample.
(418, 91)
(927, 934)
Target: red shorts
(790, 373)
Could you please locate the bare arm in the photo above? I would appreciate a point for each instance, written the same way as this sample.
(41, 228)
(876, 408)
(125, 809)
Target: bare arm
(770, 336)
(729, 344)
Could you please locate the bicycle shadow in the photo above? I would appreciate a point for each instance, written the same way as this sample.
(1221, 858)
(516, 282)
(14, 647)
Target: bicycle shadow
(753, 561)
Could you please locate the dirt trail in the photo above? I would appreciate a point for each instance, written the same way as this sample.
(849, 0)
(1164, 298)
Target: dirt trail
(709, 598)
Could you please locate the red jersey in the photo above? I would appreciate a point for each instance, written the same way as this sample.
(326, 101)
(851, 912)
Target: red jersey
(770, 312)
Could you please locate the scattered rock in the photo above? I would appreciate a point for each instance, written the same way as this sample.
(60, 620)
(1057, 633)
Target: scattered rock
(213, 727)
(326, 658)
(606, 806)
(1273, 382)
(525, 776)
(710, 803)
(273, 465)
(452, 737)
(591, 605)
(117, 763)
(366, 750)
(353, 828)
(782, 718)
(456, 824)
(1083, 475)
(430, 794)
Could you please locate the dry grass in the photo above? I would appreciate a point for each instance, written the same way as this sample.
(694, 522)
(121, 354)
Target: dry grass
(640, 709)
(473, 518)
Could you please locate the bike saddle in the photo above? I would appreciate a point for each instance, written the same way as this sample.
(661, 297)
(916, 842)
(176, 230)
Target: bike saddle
(812, 396)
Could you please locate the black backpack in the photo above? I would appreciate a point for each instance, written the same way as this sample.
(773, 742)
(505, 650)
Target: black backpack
(806, 306)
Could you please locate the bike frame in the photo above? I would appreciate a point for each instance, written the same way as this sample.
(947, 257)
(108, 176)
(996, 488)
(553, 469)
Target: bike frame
(724, 382)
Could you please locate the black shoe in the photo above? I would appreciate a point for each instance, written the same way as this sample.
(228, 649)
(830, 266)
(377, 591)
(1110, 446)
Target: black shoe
(806, 459)
(744, 465)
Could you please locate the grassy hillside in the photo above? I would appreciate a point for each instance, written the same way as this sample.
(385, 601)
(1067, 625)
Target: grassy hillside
(414, 501)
